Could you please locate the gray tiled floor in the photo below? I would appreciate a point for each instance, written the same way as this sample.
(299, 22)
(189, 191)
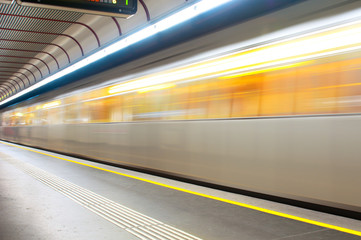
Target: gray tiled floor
(32, 210)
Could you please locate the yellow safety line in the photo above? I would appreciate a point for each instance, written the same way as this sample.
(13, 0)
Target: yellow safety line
(341, 229)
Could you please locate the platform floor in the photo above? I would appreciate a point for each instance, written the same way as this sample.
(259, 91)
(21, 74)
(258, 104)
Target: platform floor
(45, 195)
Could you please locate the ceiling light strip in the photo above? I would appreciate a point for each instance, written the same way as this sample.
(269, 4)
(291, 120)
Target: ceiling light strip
(162, 25)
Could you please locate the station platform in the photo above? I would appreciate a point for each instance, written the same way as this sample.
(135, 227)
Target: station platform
(45, 195)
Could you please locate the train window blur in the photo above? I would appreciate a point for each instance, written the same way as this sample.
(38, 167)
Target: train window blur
(54, 115)
(349, 89)
(98, 111)
(318, 85)
(277, 93)
(314, 96)
(220, 99)
(71, 110)
(246, 96)
(29, 115)
(139, 107)
(128, 108)
(198, 100)
(152, 105)
(178, 102)
(115, 109)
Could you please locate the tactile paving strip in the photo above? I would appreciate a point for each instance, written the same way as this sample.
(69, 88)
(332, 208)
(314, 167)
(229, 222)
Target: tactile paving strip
(136, 223)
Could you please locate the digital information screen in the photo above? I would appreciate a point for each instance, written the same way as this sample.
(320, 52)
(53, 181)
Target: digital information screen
(116, 8)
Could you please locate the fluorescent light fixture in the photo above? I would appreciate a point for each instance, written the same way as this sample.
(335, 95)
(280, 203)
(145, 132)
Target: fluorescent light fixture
(166, 23)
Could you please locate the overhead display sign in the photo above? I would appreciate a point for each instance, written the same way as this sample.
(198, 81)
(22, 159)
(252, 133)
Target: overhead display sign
(115, 8)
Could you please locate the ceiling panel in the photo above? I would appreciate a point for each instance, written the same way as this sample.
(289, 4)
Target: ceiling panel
(37, 42)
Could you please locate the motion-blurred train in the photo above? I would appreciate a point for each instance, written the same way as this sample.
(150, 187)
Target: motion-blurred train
(271, 105)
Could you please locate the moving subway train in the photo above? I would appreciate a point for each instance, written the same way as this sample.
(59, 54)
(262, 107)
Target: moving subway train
(271, 105)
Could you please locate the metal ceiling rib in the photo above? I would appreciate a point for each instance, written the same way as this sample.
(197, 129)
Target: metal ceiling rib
(23, 39)
(37, 42)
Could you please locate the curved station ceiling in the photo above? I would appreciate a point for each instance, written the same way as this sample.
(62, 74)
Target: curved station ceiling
(36, 43)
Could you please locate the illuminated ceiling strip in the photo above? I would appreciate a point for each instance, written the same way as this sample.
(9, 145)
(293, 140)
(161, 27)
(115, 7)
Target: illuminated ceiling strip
(162, 25)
